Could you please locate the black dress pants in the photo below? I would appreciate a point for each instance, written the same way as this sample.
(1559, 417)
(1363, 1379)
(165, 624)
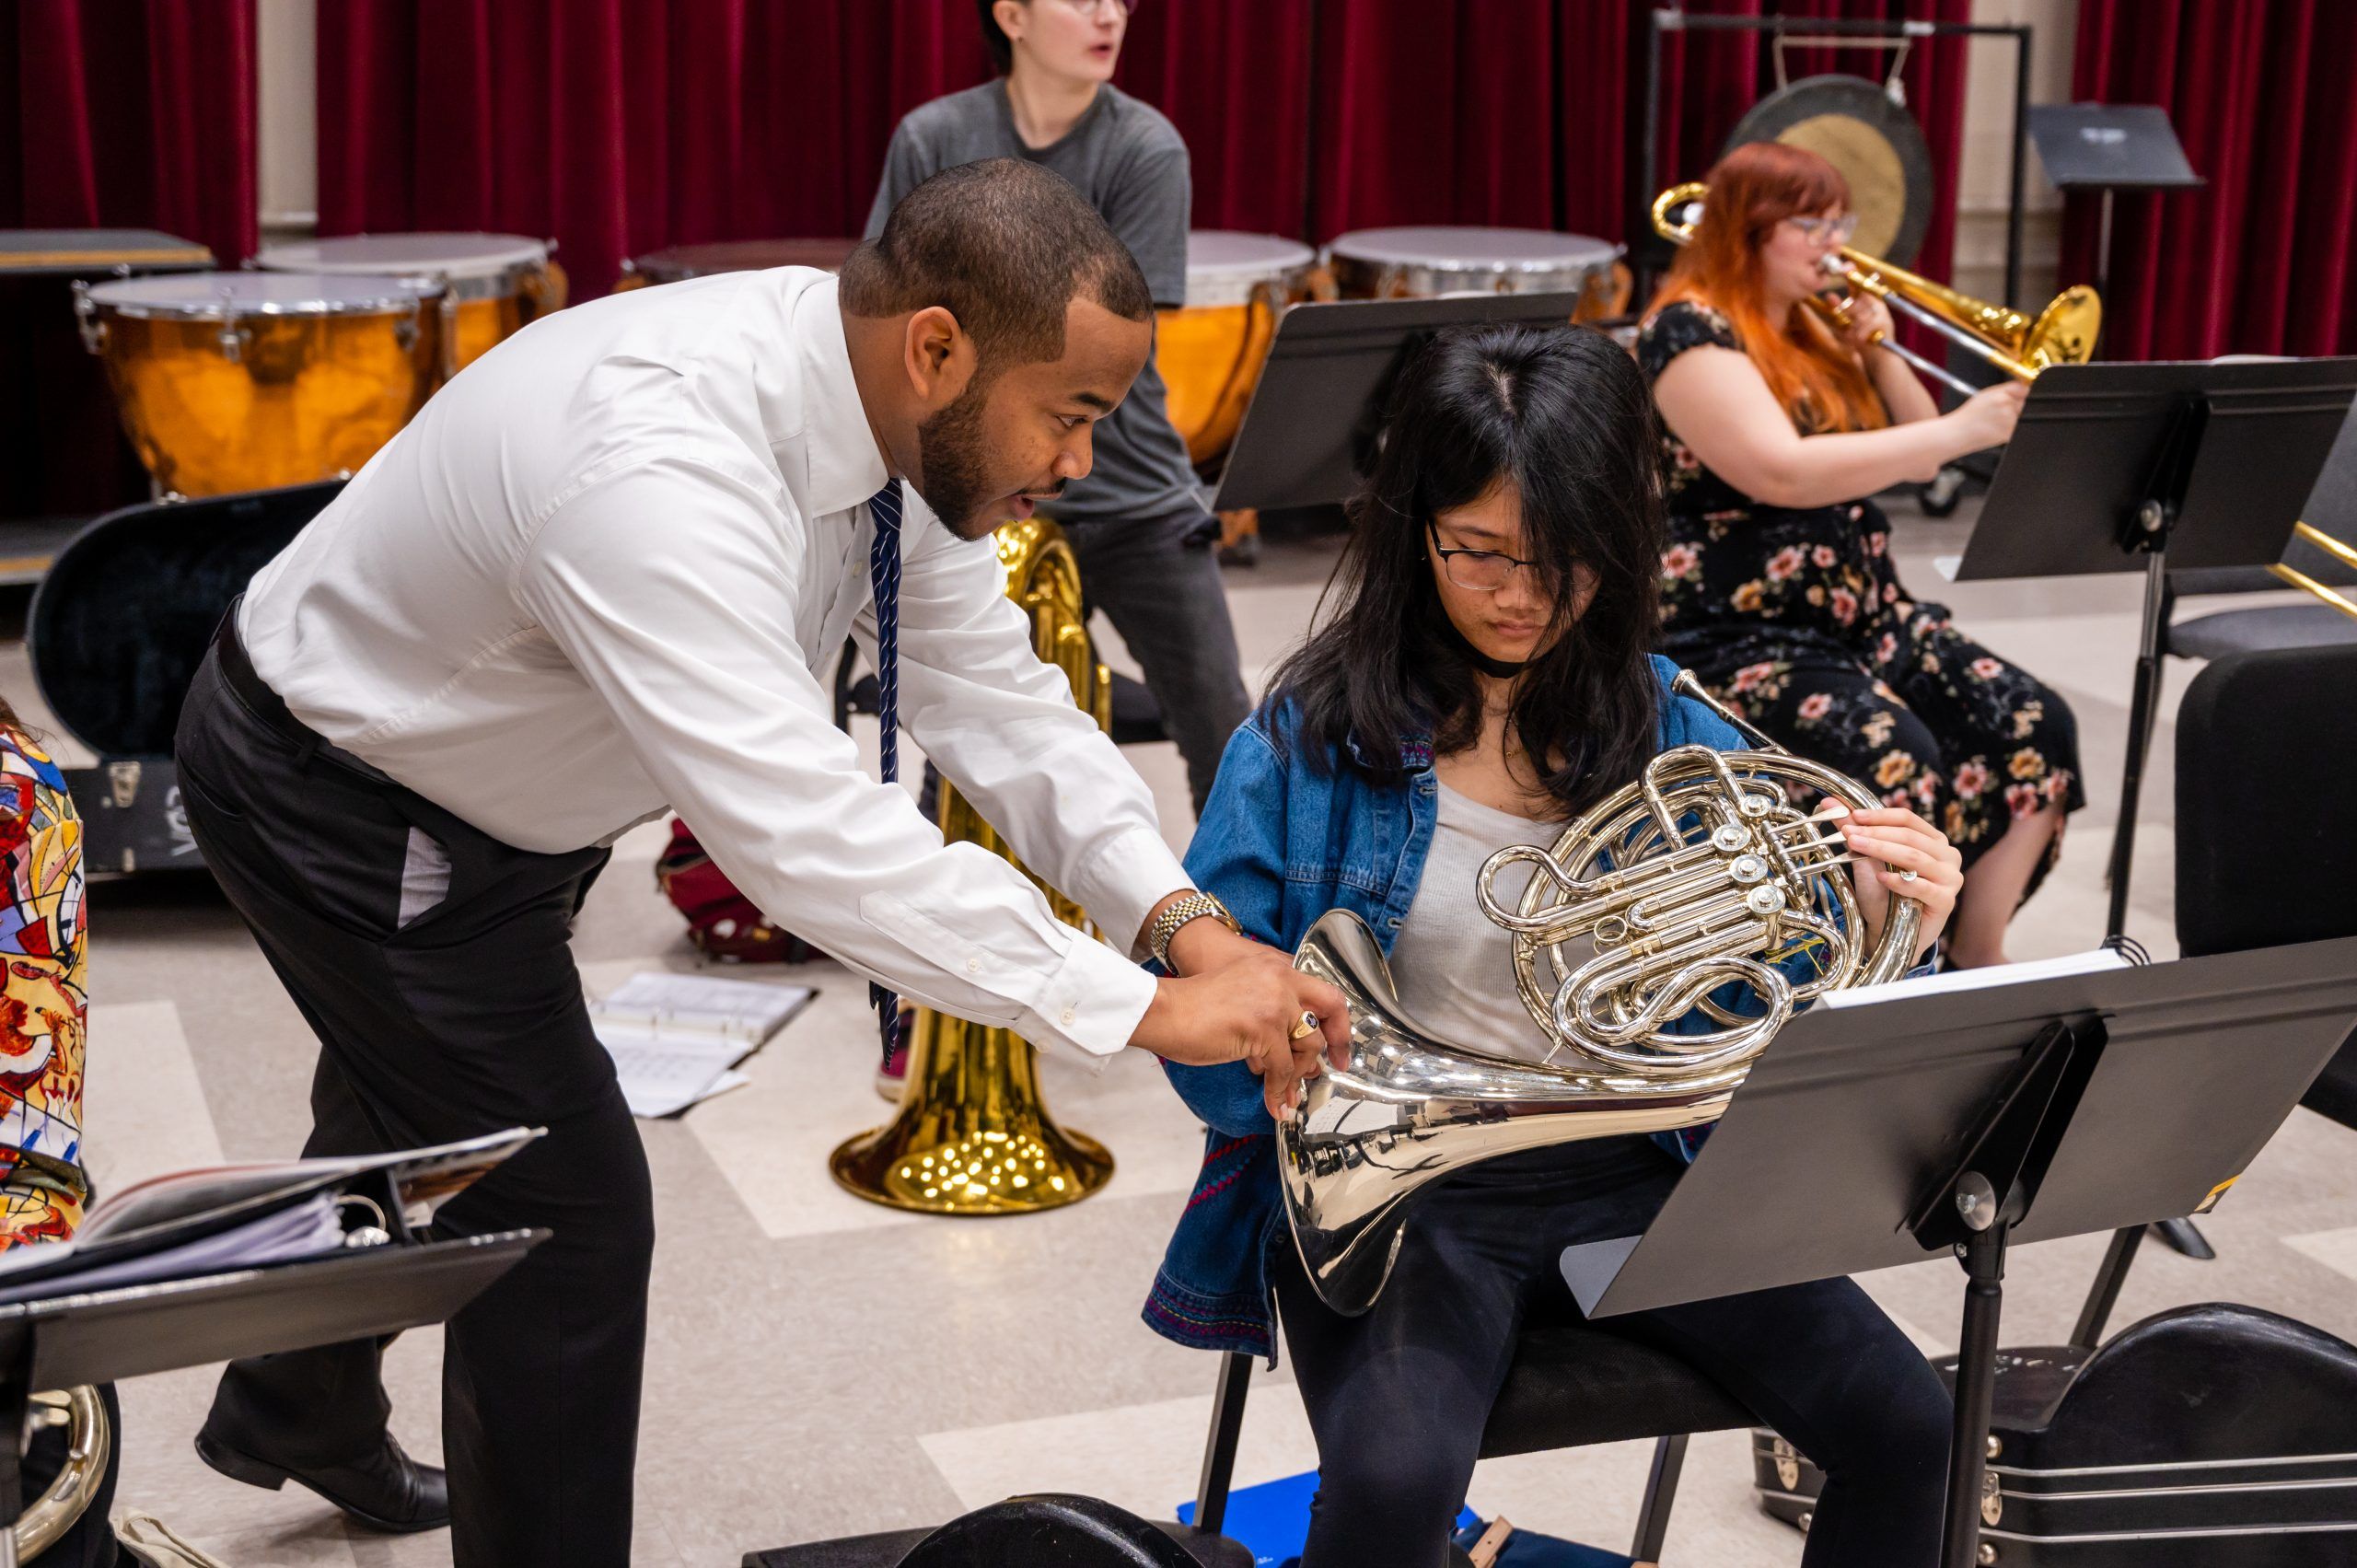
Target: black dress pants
(1398, 1396)
(432, 962)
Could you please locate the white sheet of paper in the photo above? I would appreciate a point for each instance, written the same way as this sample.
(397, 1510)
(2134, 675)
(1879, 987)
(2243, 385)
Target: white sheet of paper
(1945, 565)
(748, 1009)
(2092, 962)
(659, 1076)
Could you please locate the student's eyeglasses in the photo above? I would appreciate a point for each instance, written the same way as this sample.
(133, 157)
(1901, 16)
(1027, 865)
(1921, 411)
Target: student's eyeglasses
(1483, 571)
(1835, 231)
(1093, 9)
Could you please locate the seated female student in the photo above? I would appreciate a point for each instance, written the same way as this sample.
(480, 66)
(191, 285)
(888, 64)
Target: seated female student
(1778, 587)
(1483, 679)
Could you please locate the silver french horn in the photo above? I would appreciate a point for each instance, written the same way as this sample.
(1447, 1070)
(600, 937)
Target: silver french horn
(1696, 876)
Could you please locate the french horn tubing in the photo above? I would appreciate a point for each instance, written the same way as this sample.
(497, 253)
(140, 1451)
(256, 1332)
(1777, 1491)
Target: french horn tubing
(1698, 876)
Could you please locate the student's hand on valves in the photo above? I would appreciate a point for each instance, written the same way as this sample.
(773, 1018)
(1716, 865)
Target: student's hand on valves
(1237, 1000)
(1897, 851)
(1986, 419)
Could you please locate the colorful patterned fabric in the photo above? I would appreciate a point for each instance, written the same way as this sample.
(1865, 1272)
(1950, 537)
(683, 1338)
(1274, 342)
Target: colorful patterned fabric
(43, 1006)
(1796, 618)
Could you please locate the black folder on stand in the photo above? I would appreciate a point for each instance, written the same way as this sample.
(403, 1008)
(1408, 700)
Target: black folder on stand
(119, 1307)
(1309, 435)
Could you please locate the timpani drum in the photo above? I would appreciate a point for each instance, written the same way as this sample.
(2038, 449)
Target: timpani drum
(496, 284)
(1210, 351)
(1428, 263)
(230, 381)
(681, 262)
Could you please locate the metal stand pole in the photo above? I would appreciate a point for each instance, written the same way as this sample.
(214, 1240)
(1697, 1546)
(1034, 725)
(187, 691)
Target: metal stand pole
(2139, 737)
(1983, 1256)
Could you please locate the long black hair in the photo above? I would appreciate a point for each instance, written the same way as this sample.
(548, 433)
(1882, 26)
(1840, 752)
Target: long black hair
(1562, 415)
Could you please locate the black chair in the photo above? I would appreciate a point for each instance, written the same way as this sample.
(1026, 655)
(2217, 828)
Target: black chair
(2265, 802)
(1570, 1385)
(2332, 508)
(2264, 852)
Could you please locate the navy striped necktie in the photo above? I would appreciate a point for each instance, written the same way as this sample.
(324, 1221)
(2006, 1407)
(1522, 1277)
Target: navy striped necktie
(884, 578)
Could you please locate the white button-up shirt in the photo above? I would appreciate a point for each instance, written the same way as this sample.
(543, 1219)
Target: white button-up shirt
(608, 570)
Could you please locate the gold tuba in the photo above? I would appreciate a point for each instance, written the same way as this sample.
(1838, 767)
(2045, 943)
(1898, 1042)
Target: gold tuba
(1697, 875)
(972, 1135)
(2021, 345)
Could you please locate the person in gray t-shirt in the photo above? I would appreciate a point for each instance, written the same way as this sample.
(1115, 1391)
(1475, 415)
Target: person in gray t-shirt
(1137, 523)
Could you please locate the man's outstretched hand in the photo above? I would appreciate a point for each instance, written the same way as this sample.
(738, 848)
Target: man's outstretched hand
(1235, 1000)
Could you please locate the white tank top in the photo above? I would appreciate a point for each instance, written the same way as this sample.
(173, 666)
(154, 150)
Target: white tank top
(1453, 966)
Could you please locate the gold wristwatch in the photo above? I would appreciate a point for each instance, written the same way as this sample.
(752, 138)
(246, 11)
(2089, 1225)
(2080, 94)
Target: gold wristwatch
(1194, 906)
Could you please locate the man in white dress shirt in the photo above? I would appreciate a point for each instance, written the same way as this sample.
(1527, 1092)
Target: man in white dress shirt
(602, 575)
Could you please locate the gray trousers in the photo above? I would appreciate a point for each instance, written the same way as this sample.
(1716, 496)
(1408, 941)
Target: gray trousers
(1157, 580)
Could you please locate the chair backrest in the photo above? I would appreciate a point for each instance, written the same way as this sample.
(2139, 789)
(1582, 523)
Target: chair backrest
(2266, 801)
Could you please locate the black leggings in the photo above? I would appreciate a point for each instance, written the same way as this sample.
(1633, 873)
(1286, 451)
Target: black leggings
(1397, 1397)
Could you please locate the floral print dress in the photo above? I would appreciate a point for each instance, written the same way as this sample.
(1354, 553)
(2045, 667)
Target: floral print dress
(1797, 617)
(43, 1002)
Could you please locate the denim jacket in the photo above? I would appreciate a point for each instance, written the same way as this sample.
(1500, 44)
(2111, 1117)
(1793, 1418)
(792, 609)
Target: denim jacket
(1281, 842)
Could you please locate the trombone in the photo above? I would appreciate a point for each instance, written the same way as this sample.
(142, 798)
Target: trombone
(2019, 344)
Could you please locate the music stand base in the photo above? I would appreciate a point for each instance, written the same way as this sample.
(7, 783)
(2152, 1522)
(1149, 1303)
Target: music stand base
(2183, 1236)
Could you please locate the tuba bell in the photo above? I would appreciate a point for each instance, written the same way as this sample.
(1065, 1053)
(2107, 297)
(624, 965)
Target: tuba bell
(1697, 876)
(973, 1135)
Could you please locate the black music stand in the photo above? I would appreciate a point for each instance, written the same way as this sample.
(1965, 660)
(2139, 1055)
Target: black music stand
(109, 1334)
(1971, 1119)
(2118, 467)
(1309, 435)
(2110, 147)
(105, 1335)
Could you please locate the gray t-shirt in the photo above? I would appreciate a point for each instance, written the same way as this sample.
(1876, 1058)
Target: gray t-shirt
(1131, 165)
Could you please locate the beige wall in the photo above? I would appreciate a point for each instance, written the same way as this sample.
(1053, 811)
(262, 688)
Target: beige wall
(288, 109)
(1986, 166)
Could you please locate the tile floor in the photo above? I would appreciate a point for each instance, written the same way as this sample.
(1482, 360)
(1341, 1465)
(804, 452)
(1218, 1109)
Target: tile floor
(820, 1367)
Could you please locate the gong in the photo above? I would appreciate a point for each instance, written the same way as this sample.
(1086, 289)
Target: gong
(1852, 124)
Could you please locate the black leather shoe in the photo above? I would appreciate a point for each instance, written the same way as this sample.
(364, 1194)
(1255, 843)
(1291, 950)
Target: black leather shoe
(387, 1491)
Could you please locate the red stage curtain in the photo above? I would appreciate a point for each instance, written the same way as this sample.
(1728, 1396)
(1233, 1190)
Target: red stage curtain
(770, 117)
(621, 126)
(1234, 77)
(131, 114)
(2263, 260)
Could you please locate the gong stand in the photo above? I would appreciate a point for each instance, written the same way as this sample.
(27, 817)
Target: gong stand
(1647, 255)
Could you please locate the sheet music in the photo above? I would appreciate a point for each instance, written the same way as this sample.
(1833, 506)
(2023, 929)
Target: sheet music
(660, 1077)
(748, 1009)
(675, 1038)
(2092, 962)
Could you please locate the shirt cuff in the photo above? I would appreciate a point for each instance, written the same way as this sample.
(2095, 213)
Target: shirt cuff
(1091, 1005)
(1125, 880)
